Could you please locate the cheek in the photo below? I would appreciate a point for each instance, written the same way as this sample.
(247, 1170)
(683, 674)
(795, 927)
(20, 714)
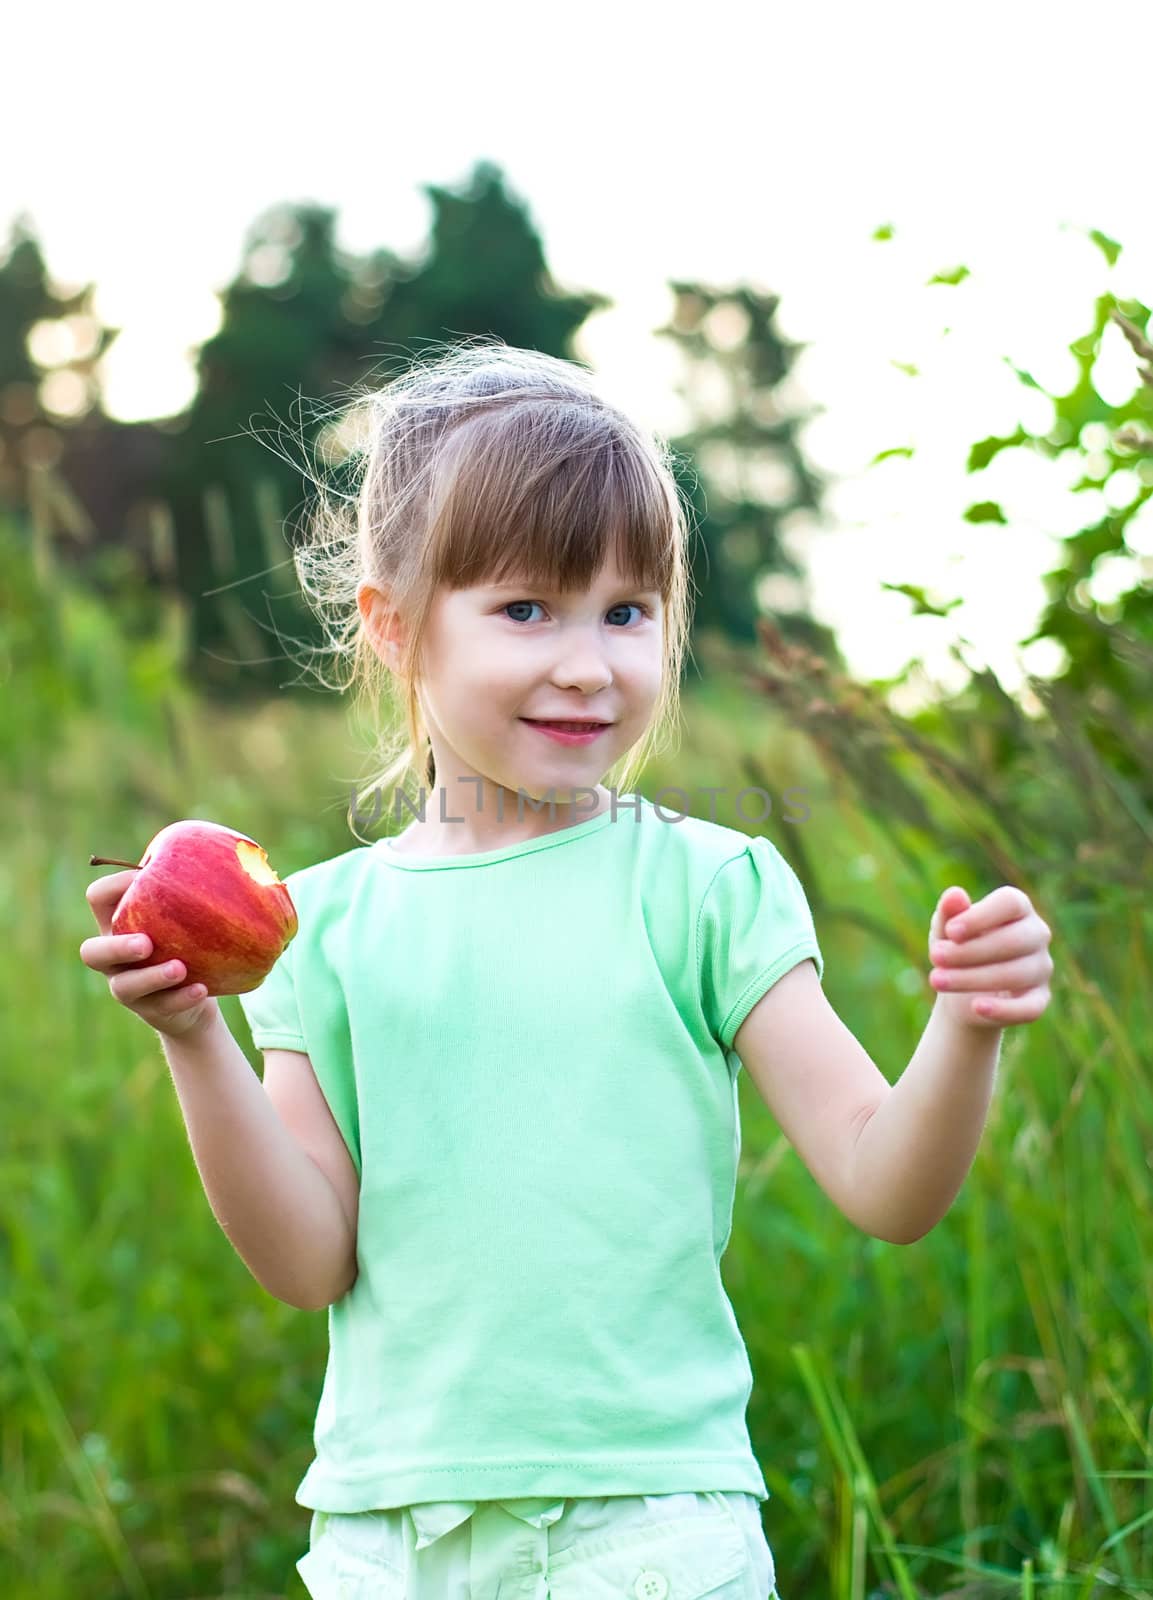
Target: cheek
(651, 678)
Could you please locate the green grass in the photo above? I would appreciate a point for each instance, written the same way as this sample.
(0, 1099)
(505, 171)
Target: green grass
(966, 1416)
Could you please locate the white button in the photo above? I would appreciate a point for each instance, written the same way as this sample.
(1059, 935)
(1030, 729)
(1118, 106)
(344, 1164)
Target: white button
(651, 1586)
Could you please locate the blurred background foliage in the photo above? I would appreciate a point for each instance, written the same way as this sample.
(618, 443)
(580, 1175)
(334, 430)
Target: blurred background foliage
(969, 1416)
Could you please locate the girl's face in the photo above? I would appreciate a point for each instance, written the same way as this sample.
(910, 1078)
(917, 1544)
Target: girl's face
(496, 655)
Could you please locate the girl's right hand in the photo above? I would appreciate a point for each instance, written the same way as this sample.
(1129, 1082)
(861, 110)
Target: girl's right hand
(150, 992)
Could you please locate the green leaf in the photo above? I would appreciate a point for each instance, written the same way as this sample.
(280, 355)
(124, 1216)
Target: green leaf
(954, 275)
(1109, 248)
(922, 605)
(984, 450)
(985, 511)
(1025, 377)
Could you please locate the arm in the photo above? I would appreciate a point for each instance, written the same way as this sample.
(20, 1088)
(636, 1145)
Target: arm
(281, 1213)
(896, 1156)
(913, 1153)
(991, 966)
(890, 1157)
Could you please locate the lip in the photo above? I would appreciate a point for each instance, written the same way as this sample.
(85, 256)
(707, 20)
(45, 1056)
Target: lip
(563, 737)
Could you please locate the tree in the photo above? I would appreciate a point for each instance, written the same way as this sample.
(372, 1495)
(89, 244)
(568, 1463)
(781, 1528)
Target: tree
(42, 394)
(304, 316)
(747, 478)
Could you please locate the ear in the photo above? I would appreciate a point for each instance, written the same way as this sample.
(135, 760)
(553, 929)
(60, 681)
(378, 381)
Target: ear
(381, 621)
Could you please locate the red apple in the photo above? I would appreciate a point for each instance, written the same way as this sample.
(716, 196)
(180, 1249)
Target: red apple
(206, 895)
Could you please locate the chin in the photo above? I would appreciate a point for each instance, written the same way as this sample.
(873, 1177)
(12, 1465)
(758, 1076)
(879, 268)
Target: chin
(562, 794)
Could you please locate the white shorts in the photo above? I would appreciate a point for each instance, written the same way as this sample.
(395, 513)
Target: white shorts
(619, 1547)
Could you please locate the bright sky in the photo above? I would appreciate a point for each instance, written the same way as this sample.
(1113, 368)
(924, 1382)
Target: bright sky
(728, 143)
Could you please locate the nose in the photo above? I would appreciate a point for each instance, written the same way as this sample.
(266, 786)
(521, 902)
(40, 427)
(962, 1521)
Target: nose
(581, 663)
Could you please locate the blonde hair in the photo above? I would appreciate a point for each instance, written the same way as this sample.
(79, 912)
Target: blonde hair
(483, 464)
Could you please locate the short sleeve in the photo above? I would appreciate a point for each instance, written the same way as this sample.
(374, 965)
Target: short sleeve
(271, 1010)
(754, 926)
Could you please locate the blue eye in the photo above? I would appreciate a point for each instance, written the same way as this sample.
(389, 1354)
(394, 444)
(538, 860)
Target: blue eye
(635, 605)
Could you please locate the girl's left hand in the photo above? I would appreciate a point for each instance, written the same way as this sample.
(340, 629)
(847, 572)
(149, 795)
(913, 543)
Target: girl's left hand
(991, 962)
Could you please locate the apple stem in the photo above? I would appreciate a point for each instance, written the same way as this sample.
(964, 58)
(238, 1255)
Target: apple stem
(110, 861)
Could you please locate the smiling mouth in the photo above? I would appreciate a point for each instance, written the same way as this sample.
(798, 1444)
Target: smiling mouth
(566, 727)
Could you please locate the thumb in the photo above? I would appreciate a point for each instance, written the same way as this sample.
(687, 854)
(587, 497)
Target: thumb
(952, 902)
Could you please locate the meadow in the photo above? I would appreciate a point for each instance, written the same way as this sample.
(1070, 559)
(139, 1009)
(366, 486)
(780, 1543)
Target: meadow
(966, 1416)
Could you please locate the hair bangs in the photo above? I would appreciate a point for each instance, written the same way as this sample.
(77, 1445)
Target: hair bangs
(548, 496)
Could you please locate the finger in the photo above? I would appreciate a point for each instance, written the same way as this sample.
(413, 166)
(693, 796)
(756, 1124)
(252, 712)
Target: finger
(1015, 975)
(1006, 904)
(113, 952)
(1025, 1007)
(136, 985)
(952, 903)
(105, 894)
(169, 1002)
(1002, 944)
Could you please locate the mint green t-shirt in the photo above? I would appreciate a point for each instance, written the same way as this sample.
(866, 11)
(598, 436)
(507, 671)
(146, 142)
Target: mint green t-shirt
(529, 1055)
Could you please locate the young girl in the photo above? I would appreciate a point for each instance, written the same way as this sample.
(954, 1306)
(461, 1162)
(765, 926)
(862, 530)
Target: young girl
(498, 1131)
